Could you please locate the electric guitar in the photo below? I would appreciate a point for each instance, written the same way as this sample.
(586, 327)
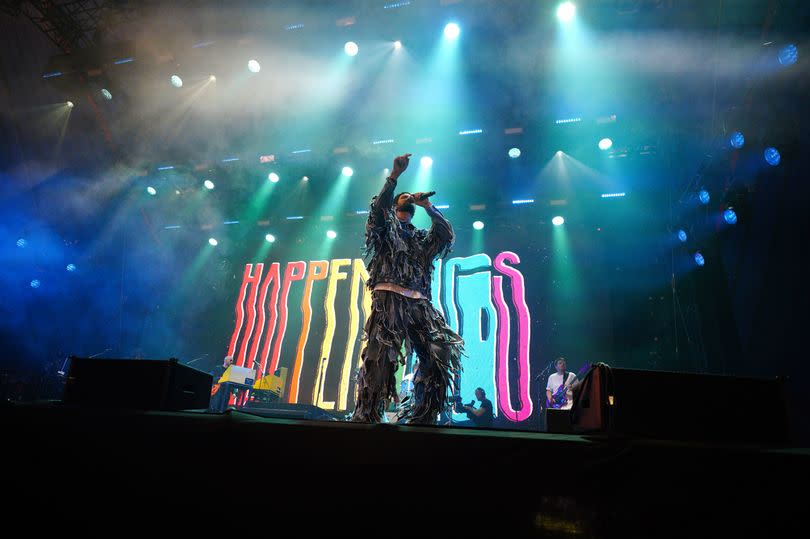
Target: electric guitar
(560, 398)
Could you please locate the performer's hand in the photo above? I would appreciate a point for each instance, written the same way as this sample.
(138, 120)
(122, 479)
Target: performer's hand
(400, 164)
(425, 202)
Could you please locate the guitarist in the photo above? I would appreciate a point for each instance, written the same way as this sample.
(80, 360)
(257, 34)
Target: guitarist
(555, 392)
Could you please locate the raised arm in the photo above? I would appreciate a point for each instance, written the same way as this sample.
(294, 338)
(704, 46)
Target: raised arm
(382, 202)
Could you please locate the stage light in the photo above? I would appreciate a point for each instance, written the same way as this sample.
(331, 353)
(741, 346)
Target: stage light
(566, 11)
(35, 283)
(69, 104)
(177, 82)
(21, 242)
(478, 225)
(254, 67)
(351, 48)
(788, 55)
(452, 31)
(347, 171)
(772, 156)
(558, 220)
(737, 140)
(331, 234)
(704, 197)
(305, 179)
(520, 201)
(151, 190)
(397, 45)
(270, 238)
(273, 177)
(71, 267)
(605, 144)
(730, 215)
(213, 242)
(514, 153)
(699, 260)
(106, 94)
(208, 184)
(212, 78)
(682, 235)
(426, 161)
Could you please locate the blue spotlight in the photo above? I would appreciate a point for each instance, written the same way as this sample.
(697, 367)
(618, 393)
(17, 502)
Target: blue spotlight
(331, 234)
(71, 267)
(730, 215)
(35, 283)
(704, 197)
(151, 190)
(426, 161)
(605, 144)
(347, 171)
(21, 242)
(452, 31)
(351, 48)
(213, 242)
(772, 156)
(682, 235)
(177, 82)
(699, 260)
(788, 55)
(254, 66)
(514, 153)
(566, 11)
(557, 221)
(737, 140)
(478, 225)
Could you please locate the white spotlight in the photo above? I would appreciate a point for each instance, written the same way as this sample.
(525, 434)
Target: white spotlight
(213, 241)
(177, 82)
(452, 31)
(426, 161)
(273, 177)
(69, 104)
(254, 66)
(605, 144)
(347, 171)
(566, 11)
(351, 48)
(208, 184)
(397, 45)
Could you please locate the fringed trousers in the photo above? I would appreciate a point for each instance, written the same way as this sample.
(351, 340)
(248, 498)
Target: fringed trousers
(397, 327)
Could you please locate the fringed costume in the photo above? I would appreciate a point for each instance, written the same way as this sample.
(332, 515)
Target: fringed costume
(403, 320)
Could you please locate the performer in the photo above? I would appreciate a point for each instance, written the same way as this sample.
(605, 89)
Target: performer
(220, 393)
(481, 416)
(553, 398)
(400, 271)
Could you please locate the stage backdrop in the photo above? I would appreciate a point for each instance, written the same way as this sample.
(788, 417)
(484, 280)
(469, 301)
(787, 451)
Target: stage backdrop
(517, 308)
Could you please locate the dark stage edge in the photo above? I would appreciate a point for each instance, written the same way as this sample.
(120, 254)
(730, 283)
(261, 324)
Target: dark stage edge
(84, 465)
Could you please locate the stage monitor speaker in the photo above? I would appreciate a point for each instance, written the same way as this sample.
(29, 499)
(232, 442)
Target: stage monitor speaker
(144, 384)
(680, 406)
(558, 421)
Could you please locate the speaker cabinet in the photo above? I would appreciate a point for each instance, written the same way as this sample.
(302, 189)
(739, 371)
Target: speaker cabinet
(145, 384)
(686, 406)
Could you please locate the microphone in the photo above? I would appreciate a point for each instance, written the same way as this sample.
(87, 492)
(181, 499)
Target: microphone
(423, 196)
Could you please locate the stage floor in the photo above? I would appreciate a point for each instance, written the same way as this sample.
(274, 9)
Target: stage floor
(80, 460)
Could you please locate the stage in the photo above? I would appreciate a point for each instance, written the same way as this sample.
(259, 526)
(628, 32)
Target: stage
(85, 464)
